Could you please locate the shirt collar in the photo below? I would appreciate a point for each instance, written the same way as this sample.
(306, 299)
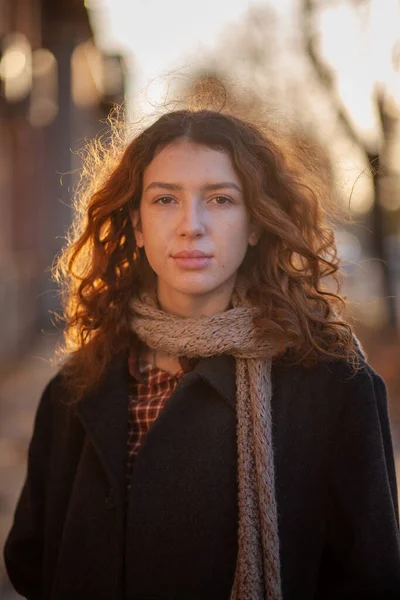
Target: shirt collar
(141, 372)
(219, 371)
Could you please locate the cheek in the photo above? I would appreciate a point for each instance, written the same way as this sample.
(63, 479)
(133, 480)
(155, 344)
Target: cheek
(154, 258)
(234, 236)
(151, 230)
(232, 245)
(155, 246)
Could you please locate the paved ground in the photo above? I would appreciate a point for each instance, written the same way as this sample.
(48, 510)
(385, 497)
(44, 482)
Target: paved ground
(20, 391)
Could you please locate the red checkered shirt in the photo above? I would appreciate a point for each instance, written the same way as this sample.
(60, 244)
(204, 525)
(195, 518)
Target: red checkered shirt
(150, 389)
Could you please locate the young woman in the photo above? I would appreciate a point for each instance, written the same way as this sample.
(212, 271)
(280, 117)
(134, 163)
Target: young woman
(216, 432)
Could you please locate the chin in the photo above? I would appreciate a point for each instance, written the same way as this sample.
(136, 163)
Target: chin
(196, 289)
(195, 286)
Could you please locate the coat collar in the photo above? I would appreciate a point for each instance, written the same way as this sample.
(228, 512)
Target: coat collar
(219, 371)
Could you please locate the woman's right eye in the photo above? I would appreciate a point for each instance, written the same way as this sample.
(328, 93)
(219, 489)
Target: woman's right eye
(164, 200)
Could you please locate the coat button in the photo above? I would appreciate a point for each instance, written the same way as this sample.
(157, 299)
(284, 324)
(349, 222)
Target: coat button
(110, 500)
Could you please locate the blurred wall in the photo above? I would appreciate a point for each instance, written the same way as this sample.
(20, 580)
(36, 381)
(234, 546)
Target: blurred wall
(56, 89)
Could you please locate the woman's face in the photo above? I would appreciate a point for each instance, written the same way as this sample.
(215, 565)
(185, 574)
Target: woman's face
(194, 224)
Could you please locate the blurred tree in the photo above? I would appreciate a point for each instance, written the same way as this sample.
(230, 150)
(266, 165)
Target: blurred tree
(243, 65)
(378, 154)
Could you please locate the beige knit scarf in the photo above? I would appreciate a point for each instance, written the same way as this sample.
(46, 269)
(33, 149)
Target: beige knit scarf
(232, 332)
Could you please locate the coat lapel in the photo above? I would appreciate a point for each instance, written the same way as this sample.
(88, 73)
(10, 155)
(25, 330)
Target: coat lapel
(219, 371)
(104, 414)
(182, 505)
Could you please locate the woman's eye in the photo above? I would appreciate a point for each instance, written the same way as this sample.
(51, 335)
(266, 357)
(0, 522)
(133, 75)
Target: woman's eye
(221, 200)
(164, 200)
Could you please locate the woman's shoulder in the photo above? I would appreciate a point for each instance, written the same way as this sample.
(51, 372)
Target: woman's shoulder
(337, 383)
(351, 375)
(53, 402)
(334, 401)
(63, 388)
(336, 369)
(56, 389)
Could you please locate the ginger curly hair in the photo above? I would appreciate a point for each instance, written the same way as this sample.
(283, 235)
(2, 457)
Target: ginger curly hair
(100, 268)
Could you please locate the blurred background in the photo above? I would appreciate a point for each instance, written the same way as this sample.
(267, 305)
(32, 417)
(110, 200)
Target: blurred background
(328, 72)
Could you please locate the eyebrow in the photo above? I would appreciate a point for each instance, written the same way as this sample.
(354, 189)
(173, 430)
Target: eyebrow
(206, 188)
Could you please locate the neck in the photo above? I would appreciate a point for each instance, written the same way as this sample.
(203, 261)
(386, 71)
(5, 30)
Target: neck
(160, 360)
(190, 305)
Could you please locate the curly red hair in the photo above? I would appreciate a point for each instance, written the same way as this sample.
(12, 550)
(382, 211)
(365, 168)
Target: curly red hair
(100, 269)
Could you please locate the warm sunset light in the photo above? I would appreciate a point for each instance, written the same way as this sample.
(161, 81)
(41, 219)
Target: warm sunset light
(199, 299)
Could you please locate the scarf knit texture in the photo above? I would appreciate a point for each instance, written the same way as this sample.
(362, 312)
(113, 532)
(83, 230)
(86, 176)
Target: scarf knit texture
(257, 575)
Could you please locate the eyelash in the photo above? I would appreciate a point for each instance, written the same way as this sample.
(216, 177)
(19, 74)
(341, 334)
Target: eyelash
(229, 201)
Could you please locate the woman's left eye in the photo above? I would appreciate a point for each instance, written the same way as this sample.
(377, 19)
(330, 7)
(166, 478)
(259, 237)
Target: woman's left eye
(221, 200)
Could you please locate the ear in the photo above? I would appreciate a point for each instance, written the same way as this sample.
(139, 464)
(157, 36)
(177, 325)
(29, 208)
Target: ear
(255, 234)
(137, 229)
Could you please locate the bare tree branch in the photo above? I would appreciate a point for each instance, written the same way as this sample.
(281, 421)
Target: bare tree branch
(324, 73)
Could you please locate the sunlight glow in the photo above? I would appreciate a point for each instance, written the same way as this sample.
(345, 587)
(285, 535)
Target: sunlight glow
(16, 66)
(162, 36)
(360, 42)
(362, 56)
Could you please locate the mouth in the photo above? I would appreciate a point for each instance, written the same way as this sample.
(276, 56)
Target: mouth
(192, 259)
(191, 254)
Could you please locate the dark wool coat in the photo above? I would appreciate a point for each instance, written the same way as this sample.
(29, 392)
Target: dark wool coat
(77, 537)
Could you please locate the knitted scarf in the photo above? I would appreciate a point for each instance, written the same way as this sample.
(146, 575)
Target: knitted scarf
(233, 332)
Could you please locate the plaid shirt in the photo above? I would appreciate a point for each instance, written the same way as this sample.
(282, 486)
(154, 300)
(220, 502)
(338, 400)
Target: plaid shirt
(150, 389)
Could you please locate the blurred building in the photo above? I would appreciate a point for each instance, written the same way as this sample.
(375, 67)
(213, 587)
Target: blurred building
(56, 89)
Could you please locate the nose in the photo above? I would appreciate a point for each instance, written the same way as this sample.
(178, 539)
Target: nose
(191, 223)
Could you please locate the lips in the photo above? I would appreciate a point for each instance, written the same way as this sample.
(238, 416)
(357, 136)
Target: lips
(192, 260)
(191, 254)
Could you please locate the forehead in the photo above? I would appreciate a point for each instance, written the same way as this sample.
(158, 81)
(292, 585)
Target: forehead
(183, 161)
